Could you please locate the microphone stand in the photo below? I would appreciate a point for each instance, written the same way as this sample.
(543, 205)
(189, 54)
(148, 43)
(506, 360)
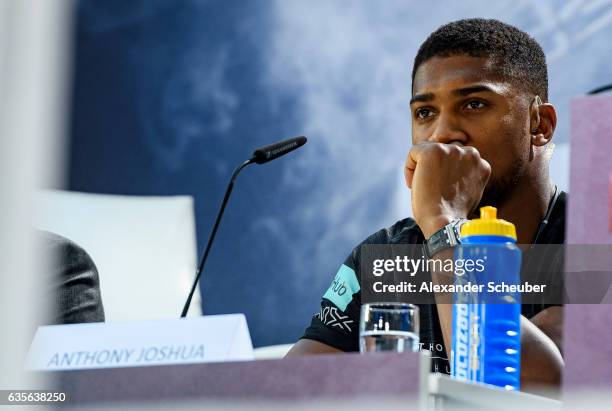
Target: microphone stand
(228, 192)
(260, 156)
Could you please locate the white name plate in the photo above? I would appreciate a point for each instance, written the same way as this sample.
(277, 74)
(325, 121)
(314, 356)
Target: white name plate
(214, 338)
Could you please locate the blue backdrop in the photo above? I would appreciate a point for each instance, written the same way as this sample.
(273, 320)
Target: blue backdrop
(169, 96)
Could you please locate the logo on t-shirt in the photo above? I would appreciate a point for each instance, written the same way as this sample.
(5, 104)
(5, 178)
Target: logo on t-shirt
(341, 290)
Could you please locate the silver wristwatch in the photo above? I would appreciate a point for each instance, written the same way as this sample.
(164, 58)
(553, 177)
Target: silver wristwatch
(446, 237)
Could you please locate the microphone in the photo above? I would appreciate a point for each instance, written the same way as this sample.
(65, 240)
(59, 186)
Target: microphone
(269, 153)
(260, 156)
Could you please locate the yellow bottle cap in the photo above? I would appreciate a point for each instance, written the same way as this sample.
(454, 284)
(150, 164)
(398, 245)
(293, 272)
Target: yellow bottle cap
(488, 224)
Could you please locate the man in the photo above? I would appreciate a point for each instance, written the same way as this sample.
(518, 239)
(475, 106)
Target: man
(481, 133)
(73, 284)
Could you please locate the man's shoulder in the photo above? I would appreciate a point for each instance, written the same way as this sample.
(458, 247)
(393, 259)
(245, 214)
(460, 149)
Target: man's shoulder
(404, 231)
(73, 280)
(65, 251)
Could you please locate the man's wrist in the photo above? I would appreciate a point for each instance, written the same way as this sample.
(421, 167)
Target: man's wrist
(445, 237)
(432, 225)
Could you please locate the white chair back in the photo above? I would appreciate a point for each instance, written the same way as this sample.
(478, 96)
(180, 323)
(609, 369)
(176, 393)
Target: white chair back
(144, 248)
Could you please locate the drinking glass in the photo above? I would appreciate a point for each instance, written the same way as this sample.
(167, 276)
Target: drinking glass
(390, 327)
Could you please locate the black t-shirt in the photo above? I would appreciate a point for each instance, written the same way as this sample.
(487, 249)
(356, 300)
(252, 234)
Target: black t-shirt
(337, 322)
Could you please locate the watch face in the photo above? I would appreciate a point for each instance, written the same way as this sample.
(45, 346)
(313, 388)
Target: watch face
(457, 229)
(458, 234)
(446, 237)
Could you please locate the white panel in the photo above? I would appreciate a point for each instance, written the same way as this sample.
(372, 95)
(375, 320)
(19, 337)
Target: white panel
(34, 50)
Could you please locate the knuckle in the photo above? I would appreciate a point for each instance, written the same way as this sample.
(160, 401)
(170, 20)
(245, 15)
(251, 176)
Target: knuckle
(472, 155)
(438, 149)
(471, 152)
(486, 167)
(453, 149)
(433, 151)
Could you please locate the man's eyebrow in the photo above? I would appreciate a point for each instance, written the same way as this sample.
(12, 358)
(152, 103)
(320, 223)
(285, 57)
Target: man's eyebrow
(422, 98)
(466, 91)
(461, 92)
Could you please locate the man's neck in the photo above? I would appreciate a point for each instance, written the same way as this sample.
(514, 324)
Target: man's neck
(526, 207)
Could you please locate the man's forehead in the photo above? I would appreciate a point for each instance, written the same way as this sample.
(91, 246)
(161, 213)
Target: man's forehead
(440, 74)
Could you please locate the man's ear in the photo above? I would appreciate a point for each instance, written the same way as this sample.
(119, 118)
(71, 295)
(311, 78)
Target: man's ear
(543, 120)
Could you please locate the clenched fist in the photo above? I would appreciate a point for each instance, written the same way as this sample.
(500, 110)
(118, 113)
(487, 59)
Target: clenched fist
(446, 181)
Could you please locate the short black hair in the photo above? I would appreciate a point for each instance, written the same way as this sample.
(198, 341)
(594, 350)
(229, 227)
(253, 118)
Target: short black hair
(519, 57)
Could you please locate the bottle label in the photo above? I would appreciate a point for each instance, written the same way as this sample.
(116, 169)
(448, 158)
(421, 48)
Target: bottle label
(460, 354)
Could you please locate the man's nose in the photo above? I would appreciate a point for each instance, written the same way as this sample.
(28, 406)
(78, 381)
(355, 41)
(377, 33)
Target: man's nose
(447, 131)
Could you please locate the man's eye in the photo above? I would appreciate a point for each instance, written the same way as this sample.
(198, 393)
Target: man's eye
(475, 104)
(423, 113)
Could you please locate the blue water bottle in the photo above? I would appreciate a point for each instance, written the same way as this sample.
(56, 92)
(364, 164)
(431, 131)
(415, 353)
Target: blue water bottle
(486, 312)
